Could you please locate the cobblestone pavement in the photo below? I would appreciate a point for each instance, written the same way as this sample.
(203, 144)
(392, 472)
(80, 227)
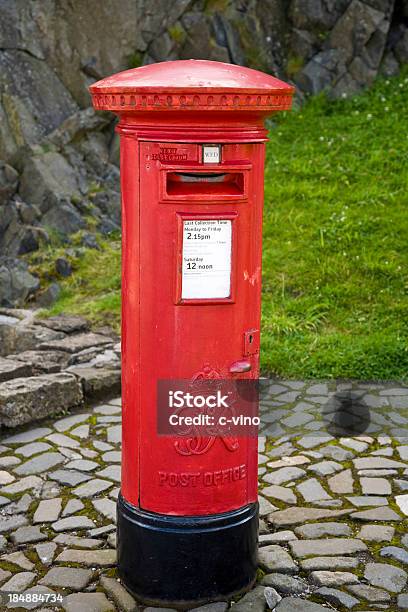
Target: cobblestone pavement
(332, 530)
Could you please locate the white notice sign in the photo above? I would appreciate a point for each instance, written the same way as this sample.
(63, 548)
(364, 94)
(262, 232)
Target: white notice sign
(206, 259)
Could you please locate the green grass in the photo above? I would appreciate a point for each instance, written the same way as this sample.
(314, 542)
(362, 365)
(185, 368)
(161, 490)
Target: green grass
(335, 242)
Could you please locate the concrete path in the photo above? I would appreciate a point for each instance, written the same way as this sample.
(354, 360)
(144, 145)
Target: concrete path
(333, 508)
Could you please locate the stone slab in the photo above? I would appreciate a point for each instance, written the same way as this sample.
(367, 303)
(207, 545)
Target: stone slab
(76, 343)
(33, 398)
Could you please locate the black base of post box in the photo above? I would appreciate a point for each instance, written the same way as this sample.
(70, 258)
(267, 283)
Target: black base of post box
(186, 560)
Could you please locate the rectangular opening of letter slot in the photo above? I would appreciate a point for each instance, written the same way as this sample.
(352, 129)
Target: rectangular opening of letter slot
(205, 184)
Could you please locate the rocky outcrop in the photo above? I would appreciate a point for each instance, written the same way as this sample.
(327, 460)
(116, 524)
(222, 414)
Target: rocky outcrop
(55, 363)
(59, 168)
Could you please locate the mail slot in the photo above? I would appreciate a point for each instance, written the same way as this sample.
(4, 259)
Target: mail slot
(226, 183)
(192, 169)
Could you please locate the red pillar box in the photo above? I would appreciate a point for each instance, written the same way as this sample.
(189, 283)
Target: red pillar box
(192, 168)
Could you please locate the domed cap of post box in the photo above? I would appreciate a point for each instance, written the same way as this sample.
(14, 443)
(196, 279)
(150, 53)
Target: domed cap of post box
(192, 85)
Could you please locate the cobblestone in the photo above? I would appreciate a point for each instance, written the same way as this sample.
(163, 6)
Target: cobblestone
(340, 505)
(275, 559)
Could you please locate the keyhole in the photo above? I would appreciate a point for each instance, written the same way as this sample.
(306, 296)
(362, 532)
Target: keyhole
(250, 339)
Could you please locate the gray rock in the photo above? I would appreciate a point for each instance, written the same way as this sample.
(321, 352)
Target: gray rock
(48, 296)
(102, 530)
(24, 336)
(24, 484)
(217, 606)
(337, 546)
(324, 468)
(107, 410)
(46, 552)
(72, 578)
(16, 282)
(375, 486)
(63, 267)
(76, 343)
(289, 461)
(70, 540)
(282, 493)
(396, 553)
(272, 597)
(82, 465)
(320, 530)
(337, 453)
(364, 591)
(342, 482)
(18, 558)
(10, 368)
(328, 563)
(376, 533)
(296, 516)
(376, 514)
(113, 472)
(386, 576)
(25, 400)
(112, 541)
(91, 488)
(39, 464)
(50, 490)
(402, 502)
(19, 582)
(95, 602)
(82, 431)
(33, 448)
(25, 535)
(27, 436)
(293, 604)
(337, 597)
(8, 182)
(285, 584)
(296, 420)
(61, 440)
(67, 324)
(311, 490)
(20, 506)
(401, 484)
(116, 457)
(114, 434)
(367, 500)
(276, 538)
(4, 575)
(72, 506)
(253, 601)
(402, 601)
(357, 445)
(48, 510)
(98, 382)
(106, 507)
(69, 477)
(89, 558)
(68, 422)
(333, 579)
(6, 477)
(284, 475)
(9, 461)
(72, 523)
(43, 362)
(376, 463)
(273, 558)
(123, 599)
(10, 523)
